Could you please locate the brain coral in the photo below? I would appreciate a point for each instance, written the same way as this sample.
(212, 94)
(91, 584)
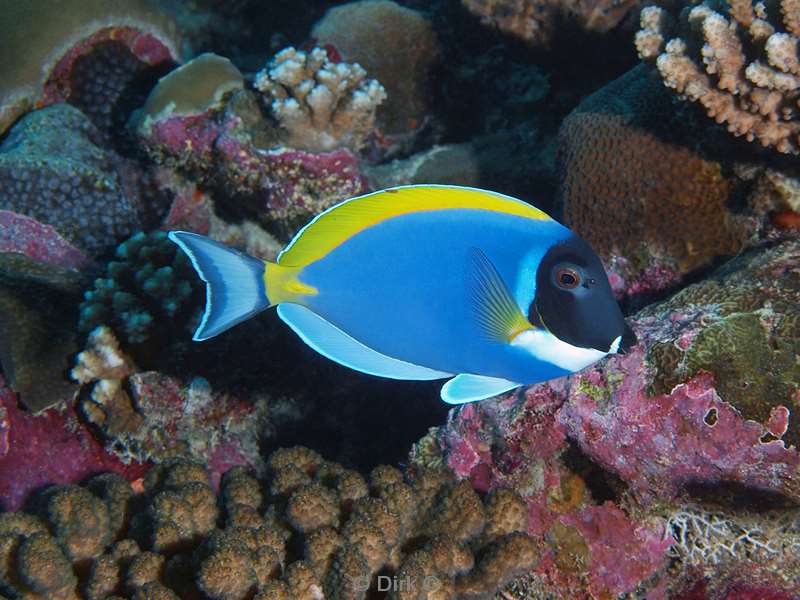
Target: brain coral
(740, 63)
(314, 530)
(537, 21)
(630, 190)
(85, 52)
(53, 168)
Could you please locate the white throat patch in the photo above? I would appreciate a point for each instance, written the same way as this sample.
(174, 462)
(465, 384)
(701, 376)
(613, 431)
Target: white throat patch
(547, 347)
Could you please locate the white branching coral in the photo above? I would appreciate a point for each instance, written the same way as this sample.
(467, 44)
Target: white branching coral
(322, 105)
(708, 537)
(740, 64)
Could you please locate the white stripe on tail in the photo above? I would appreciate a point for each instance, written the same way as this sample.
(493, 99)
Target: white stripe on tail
(234, 282)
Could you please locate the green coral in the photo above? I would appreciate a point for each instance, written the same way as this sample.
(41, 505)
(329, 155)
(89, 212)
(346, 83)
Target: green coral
(748, 336)
(149, 282)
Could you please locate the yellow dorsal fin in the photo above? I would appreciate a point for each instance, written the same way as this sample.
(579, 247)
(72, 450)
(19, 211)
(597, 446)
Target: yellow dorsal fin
(337, 224)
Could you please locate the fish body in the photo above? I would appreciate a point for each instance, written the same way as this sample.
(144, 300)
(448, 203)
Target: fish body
(427, 282)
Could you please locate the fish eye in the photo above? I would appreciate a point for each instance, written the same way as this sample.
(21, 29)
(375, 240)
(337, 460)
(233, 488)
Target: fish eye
(567, 278)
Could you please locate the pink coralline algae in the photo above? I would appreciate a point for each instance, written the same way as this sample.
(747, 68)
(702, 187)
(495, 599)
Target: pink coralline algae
(660, 445)
(38, 241)
(516, 442)
(674, 423)
(52, 447)
(223, 141)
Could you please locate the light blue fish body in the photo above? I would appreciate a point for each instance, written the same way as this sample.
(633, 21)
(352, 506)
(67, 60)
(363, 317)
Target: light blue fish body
(427, 282)
(412, 300)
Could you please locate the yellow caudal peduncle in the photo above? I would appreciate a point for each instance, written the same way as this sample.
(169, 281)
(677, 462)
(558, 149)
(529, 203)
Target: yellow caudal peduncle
(283, 285)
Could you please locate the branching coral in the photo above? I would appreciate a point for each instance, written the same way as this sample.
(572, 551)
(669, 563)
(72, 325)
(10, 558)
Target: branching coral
(149, 285)
(249, 543)
(740, 64)
(536, 21)
(322, 105)
(396, 45)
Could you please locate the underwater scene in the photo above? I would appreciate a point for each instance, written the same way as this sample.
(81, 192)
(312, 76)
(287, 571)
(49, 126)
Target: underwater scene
(400, 299)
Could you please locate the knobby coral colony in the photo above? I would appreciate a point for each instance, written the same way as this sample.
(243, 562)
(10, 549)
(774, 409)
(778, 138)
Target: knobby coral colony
(313, 529)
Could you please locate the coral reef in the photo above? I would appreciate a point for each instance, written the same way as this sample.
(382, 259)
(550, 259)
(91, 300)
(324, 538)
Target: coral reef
(37, 336)
(740, 64)
(196, 87)
(53, 447)
(89, 194)
(87, 53)
(321, 105)
(397, 46)
(605, 145)
(150, 288)
(516, 442)
(316, 528)
(227, 145)
(150, 416)
(537, 21)
(695, 425)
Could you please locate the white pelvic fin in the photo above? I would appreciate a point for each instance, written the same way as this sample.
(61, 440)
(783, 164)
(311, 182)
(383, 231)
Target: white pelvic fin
(234, 282)
(333, 343)
(470, 388)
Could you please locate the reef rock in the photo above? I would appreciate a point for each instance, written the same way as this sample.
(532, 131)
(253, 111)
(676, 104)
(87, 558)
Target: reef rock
(53, 447)
(37, 332)
(89, 53)
(223, 141)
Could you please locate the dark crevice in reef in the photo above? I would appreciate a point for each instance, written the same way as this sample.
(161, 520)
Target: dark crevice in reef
(603, 485)
(736, 495)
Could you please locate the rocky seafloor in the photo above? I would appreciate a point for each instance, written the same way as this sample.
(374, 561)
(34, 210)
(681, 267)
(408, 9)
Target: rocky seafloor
(135, 463)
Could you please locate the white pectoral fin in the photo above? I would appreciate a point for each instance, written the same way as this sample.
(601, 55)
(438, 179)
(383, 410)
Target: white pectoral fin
(470, 388)
(333, 343)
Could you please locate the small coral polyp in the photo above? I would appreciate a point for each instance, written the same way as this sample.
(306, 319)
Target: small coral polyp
(321, 105)
(740, 65)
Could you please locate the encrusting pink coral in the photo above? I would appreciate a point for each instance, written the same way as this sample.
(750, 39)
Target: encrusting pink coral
(53, 447)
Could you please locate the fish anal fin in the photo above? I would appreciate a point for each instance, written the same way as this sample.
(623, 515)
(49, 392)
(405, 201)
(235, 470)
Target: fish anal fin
(471, 388)
(333, 343)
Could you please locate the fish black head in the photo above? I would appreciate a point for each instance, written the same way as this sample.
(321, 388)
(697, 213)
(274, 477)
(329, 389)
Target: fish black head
(574, 301)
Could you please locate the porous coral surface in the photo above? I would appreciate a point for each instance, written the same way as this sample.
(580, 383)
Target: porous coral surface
(88, 193)
(635, 190)
(737, 59)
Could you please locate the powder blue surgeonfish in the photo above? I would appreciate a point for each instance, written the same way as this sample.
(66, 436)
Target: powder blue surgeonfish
(427, 282)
